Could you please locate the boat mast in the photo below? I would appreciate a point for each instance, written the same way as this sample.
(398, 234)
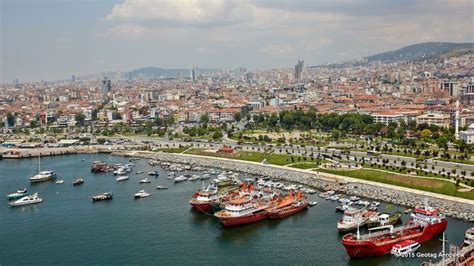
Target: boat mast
(39, 162)
(444, 248)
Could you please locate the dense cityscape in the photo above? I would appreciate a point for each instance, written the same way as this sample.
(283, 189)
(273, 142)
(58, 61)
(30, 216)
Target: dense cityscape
(384, 138)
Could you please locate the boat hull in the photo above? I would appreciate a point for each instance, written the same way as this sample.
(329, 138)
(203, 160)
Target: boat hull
(205, 207)
(280, 214)
(369, 248)
(232, 221)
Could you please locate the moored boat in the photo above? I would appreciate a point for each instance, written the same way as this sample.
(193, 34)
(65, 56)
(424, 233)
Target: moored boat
(145, 180)
(288, 210)
(27, 200)
(383, 219)
(78, 181)
(404, 248)
(161, 187)
(18, 194)
(103, 196)
(122, 178)
(425, 223)
(141, 194)
(242, 211)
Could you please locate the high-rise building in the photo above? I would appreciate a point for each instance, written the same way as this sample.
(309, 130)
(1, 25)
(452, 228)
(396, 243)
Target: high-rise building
(299, 70)
(451, 87)
(194, 74)
(106, 86)
(73, 78)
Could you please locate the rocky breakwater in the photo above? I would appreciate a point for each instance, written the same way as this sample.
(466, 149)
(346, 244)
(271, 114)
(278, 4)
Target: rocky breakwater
(457, 208)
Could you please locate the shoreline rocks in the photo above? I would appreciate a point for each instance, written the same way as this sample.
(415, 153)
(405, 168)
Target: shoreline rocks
(321, 181)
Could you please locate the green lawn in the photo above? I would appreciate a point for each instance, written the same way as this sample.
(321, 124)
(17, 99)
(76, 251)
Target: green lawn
(437, 186)
(173, 150)
(304, 165)
(278, 159)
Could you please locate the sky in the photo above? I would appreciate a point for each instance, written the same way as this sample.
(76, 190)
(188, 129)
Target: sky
(55, 39)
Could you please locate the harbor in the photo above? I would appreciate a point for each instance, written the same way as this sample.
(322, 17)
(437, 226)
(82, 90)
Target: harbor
(164, 226)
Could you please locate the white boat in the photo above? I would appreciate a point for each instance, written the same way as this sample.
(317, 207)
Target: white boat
(141, 194)
(205, 176)
(313, 203)
(180, 178)
(139, 172)
(122, 178)
(469, 237)
(404, 248)
(18, 194)
(146, 180)
(27, 200)
(354, 198)
(42, 175)
(161, 187)
(60, 182)
(153, 173)
(120, 171)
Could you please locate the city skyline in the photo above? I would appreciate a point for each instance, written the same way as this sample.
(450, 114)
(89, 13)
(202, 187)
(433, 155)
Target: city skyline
(54, 40)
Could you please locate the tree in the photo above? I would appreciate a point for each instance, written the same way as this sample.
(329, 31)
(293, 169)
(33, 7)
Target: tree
(425, 133)
(205, 118)
(80, 117)
(217, 135)
(33, 124)
(237, 116)
(11, 119)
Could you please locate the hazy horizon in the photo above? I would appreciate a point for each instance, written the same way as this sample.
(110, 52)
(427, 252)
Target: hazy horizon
(55, 39)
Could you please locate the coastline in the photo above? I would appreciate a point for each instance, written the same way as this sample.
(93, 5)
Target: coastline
(454, 207)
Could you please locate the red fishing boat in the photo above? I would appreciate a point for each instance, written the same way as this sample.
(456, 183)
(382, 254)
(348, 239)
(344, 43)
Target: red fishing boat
(425, 223)
(201, 200)
(288, 206)
(242, 211)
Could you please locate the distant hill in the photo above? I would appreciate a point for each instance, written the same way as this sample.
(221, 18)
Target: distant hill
(418, 51)
(157, 72)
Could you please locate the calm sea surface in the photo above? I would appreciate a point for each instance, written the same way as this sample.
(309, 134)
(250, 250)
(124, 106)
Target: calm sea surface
(67, 228)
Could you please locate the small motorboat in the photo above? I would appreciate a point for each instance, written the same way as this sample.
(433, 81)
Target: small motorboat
(83, 159)
(153, 173)
(313, 203)
(103, 196)
(122, 178)
(18, 194)
(139, 172)
(180, 179)
(404, 248)
(161, 187)
(60, 181)
(145, 180)
(27, 200)
(78, 181)
(141, 194)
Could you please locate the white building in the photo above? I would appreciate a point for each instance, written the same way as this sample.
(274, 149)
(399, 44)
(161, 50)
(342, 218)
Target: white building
(468, 135)
(385, 117)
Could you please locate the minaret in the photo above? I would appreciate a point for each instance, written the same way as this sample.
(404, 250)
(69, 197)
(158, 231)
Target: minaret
(456, 121)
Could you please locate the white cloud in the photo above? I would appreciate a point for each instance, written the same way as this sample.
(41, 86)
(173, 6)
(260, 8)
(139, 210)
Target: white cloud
(182, 12)
(127, 31)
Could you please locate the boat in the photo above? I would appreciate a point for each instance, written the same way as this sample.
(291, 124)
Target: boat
(469, 237)
(27, 200)
(351, 219)
(299, 204)
(120, 171)
(122, 178)
(78, 181)
(180, 178)
(141, 194)
(343, 207)
(242, 211)
(42, 175)
(18, 194)
(383, 219)
(145, 180)
(153, 173)
(60, 182)
(425, 223)
(161, 187)
(101, 167)
(313, 203)
(405, 248)
(202, 199)
(102, 197)
(139, 172)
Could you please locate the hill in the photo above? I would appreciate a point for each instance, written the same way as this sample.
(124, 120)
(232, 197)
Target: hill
(418, 51)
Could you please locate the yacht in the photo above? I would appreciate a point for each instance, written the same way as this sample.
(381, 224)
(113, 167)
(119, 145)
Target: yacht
(180, 178)
(102, 197)
(161, 187)
(145, 180)
(42, 175)
(60, 182)
(153, 173)
(122, 178)
(27, 200)
(78, 181)
(141, 194)
(404, 248)
(18, 194)
(139, 172)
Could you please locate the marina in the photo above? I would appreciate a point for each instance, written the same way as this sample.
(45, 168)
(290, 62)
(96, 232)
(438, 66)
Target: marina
(165, 222)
